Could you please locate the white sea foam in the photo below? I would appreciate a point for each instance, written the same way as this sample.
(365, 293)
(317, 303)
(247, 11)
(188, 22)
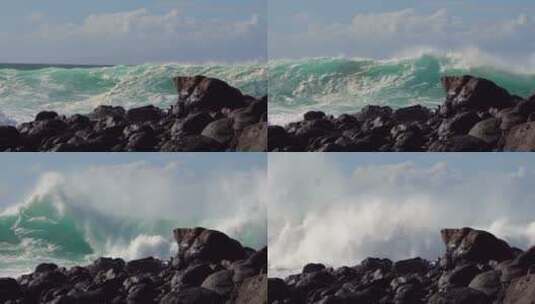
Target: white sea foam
(129, 211)
(345, 85)
(346, 214)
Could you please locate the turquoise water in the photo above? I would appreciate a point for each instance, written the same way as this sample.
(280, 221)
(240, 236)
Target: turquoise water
(29, 88)
(340, 85)
(55, 225)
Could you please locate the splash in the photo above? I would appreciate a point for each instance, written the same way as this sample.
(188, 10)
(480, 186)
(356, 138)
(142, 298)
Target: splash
(342, 85)
(70, 219)
(27, 89)
(394, 209)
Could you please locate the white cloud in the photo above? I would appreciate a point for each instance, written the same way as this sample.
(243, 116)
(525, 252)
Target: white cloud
(384, 34)
(322, 212)
(137, 36)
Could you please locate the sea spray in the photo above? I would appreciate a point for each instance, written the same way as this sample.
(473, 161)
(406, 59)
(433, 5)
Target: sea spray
(342, 85)
(393, 210)
(126, 211)
(27, 89)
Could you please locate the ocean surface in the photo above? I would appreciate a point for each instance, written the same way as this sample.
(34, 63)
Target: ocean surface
(53, 225)
(26, 89)
(342, 85)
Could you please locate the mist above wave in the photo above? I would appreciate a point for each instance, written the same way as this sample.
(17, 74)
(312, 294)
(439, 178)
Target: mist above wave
(127, 211)
(395, 210)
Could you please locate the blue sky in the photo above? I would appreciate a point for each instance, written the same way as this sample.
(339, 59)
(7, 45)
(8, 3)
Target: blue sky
(134, 31)
(21, 172)
(383, 29)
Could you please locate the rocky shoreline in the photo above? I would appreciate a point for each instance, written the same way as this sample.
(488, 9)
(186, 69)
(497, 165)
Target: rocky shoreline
(476, 268)
(476, 116)
(210, 268)
(209, 116)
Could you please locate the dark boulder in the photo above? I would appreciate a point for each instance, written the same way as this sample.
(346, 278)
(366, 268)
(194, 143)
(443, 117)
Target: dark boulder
(200, 92)
(459, 143)
(142, 294)
(9, 289)
(278, 138)
(146, 265)
(313, 115)
(460, 124)
(206, 245)
(105, 264)
(143, 140)
(487, 130)
(521, 138)
(192, 124)
(371, 112)
(253, 138)
(220, 282)
(411, 114)
(460, 295)
(509, 118)
(193, 295)
(487, 282)
(460, 276)
(46, 115)
(277, 290)
(189, 143)
(416, 265)
(45, 267)
(474, 93)
(476, 246)
(9, 137)
(253, 290)
(78, 122)
(521, 291)
(220, 130)
(143, 114)
(38, 131)
(526, 259)
(193, 276)
(308, 268)
(102, 112)
(249, 115)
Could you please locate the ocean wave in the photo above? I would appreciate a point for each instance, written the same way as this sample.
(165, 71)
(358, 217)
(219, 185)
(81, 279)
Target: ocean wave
(341, 85)
(24, 92)
(72, 219)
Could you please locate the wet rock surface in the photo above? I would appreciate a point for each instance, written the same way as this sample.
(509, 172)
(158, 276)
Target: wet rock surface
(203, 272)
(476, 267)
(209, 115)
(477, 115)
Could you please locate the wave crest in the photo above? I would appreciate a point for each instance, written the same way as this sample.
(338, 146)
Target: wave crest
(341, 85)
(25, 92)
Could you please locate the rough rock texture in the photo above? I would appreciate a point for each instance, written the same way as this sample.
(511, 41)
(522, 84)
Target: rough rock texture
(208, 278)
(209, 116)
(477, 115)
(477, 268)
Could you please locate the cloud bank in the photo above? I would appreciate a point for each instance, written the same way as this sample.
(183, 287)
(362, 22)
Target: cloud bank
(320, 211)
(388, 33)
(137, 36)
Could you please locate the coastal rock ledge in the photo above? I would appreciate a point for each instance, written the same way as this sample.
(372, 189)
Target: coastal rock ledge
(210, 268)
(477, 115)
(476, 268)
(209, 116)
